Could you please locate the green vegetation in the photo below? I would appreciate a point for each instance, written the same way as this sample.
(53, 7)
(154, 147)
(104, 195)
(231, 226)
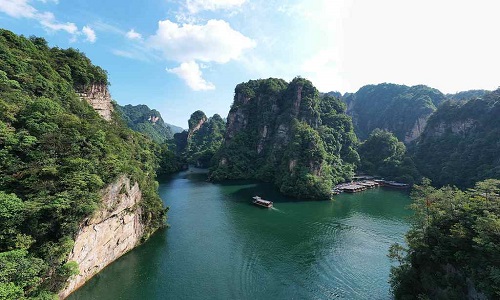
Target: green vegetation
(382, 154)
(392, 107)
(467, 95)
(453, 245)
(205, 141)
(287, 134)
(460, 144)
(147, 121)
(56, 154)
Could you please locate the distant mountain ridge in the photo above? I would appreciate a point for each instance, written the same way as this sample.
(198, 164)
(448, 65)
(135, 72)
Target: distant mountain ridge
(400, 109)
(147, 121)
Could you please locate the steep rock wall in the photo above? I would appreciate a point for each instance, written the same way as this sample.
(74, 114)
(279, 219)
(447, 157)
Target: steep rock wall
(97, 95)
(417, 129)
(114, 229)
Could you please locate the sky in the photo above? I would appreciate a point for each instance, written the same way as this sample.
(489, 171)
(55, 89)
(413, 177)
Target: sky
(179, 56)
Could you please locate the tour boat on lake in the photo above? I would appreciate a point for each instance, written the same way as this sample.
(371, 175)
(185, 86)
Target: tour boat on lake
(261, 202)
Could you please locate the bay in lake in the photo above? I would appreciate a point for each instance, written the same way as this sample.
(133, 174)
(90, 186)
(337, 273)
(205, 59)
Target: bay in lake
(220, 246)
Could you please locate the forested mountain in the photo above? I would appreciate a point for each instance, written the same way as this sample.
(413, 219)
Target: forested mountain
(56, 155)
(399, 109)
(382, 154)
(460, 144)
(203, 139)
(453, 245)
(148, 121)
(467, 95)
(287, 134)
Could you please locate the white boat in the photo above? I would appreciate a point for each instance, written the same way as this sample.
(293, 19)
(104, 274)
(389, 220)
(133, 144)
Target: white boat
(261, 202)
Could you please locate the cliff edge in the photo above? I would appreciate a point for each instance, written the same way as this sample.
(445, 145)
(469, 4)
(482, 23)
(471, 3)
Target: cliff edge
(114, 229)
(97, 95)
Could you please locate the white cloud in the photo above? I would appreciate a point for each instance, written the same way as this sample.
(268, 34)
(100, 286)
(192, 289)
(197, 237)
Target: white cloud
(133, 35)
(195, 6)
(17, 8)
(47, 1)
(215, 41)
(22, 9)
(192, 44)
(191, 74)
(89, 34)
(48, 20)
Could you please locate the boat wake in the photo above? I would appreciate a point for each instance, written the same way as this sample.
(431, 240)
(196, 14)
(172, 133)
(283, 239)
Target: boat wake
(275, 209)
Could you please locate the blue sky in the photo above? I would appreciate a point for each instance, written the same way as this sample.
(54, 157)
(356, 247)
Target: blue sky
(178, 56)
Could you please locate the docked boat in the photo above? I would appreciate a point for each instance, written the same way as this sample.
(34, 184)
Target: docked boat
(261, 202)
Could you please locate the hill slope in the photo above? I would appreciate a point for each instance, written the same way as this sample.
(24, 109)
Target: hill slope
(56, 156)
(286, 134)
(147, 121)
(460, 144)
(399, 109)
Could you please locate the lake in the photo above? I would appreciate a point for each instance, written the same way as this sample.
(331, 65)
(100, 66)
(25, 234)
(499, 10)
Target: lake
(220, 246)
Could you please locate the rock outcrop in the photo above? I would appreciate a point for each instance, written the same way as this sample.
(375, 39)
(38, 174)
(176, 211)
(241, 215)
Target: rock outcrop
(400, 109)
(287, 134)
(97, 95)
(417, 129)
(114, 229)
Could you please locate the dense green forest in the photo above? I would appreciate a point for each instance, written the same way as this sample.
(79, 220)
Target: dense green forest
(397, 108)
(460, 144)
(56, 154)
(384, 155)
(147, 121)
(467, 95)
(452, 246)
(202, 140)
(287, 134)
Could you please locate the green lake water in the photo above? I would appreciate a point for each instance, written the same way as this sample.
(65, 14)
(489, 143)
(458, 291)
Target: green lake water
(220, 246)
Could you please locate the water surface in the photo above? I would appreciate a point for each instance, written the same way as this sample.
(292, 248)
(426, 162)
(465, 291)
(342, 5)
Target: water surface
(219, 246)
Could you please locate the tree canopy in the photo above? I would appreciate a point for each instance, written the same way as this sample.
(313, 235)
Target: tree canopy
(453, 244)
(56, 154)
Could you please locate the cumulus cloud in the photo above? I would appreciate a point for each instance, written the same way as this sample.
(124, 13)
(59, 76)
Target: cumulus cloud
(133, 35)
(190, 72)
(195, 6)
(215, 41)
(23, 9)
(89, 34)
(192, 44)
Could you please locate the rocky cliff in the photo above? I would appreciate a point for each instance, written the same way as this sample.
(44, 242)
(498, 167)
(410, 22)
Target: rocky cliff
(400, 109)
(97, 95)
(459, 145)
(114, 229)
(202, 140)
(287, 134)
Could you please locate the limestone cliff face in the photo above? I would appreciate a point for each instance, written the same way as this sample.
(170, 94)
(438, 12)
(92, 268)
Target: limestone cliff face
(287, 134)
(417, 129)
(97, 95)
(400, 109)
(114, 229)
(196, 126)
(455, 127)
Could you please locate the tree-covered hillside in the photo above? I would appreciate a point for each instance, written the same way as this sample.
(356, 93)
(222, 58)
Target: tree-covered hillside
(453, 245)
(147, 121)
(467, 95)
(56, 154)
(384, 155)
(287, 134)
(460, 144)
(399, 109)
(204, 141)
